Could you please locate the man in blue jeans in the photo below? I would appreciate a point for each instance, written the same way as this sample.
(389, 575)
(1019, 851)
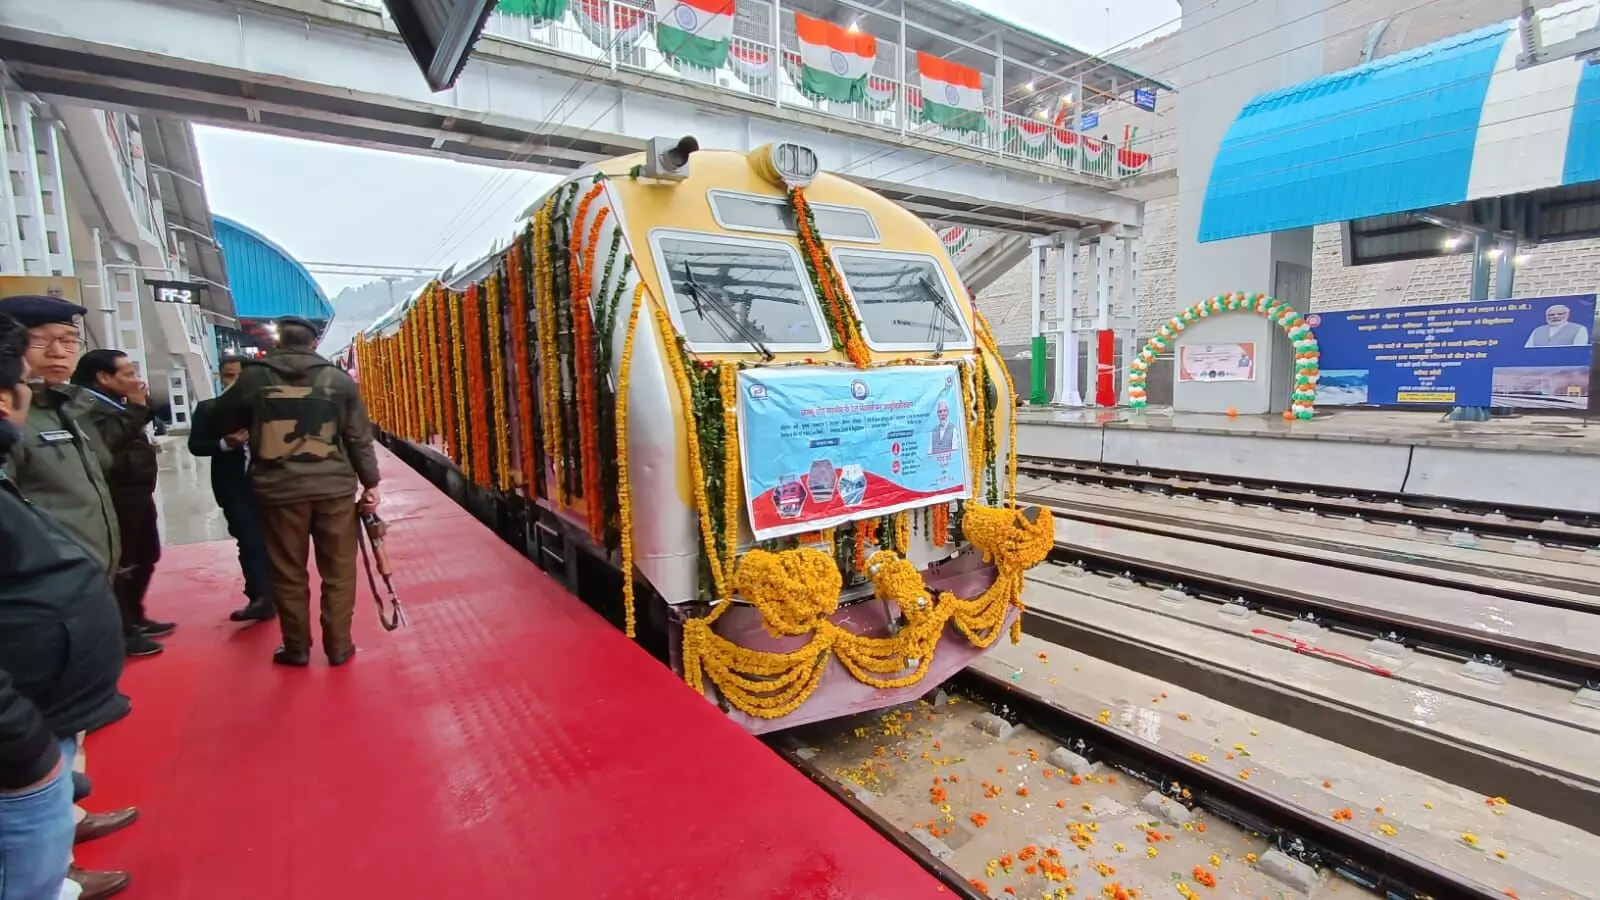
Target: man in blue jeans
(62, 651)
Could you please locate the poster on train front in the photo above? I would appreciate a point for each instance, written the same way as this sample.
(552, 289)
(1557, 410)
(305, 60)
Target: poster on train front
(821, 447)
(1525, 353)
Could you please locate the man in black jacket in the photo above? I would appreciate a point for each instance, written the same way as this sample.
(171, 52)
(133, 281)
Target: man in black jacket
(61, 648)
(114, 402)
(230, 486)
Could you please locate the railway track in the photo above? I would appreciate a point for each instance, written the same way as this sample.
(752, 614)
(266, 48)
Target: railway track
(1526, 590)
(1530, 658)
(1297, 832)
(1552, 528)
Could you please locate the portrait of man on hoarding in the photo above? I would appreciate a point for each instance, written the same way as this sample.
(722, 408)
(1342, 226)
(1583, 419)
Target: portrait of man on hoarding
(1558, 329)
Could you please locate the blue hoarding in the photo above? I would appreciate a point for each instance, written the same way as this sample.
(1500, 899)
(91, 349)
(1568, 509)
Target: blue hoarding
(1145, 98)
(826, 446)
(1531, 353)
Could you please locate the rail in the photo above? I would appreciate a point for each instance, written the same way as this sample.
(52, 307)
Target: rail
(1536, 659)
(1217, 536)
(957, 884)
(1556, 528)
(1299, 832)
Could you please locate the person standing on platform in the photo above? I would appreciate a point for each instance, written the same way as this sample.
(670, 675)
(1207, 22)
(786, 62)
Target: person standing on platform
(114, 403)
(56, 465)
(230, 486)
(61, 656)
(310, 448)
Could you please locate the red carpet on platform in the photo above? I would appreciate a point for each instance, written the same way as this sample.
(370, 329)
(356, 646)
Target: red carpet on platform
(508, 744)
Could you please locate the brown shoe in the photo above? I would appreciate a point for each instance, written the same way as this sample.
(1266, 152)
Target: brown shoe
(97, 825)
(97, 885)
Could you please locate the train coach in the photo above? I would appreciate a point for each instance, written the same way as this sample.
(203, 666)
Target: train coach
(741, 407)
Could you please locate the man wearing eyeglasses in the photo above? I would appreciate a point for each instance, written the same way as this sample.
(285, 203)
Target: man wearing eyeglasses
(56, 467)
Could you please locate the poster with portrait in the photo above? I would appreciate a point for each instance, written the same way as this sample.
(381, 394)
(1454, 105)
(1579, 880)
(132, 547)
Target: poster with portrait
(821, 447)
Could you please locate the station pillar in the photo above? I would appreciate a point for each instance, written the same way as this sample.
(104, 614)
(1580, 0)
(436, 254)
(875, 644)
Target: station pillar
(1284, 47)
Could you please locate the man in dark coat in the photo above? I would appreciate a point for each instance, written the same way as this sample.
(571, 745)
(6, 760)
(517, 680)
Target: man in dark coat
(310, 450)
(61, 654)
(230, 486)
(114, 402)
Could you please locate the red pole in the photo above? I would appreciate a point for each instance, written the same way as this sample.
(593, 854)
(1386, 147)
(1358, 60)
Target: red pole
(1105, 394)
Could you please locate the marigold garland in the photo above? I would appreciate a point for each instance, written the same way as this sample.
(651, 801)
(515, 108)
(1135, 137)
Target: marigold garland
(527, 474)
(582, 277)
(987, 341)
(721, 580)
(501, 428)
(836, 306)
(796, 590)
(549, 367)
(624, 489)
(729, 384)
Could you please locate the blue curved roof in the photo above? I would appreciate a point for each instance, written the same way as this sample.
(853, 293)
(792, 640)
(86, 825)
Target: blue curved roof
(1447, 122)
(267, 282)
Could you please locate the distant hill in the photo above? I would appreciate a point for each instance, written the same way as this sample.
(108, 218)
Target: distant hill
(355, 308)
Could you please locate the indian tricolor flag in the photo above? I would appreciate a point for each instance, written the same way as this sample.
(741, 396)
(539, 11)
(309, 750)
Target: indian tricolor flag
(952, 94)
(696, 32)
(834, 61)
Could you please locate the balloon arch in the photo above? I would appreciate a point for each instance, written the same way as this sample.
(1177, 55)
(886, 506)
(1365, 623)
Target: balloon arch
(1307, 357)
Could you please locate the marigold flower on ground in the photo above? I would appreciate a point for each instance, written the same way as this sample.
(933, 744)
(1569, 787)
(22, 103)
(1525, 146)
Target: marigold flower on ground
(979, 819)
(1202, 875)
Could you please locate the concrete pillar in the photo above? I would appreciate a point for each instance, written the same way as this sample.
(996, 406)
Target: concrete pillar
(1505, 269)
(1481, 247)
(1037, 361)
(1100, 293)
(1067, 364)
(1234, 50)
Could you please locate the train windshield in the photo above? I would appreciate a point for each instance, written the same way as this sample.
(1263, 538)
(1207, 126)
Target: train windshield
(739, 294)
(904, 301)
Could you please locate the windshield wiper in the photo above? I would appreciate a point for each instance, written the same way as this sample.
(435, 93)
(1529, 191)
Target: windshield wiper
(942, 304)
(722, 306)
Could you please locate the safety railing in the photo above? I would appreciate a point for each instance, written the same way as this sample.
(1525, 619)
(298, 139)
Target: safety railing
(621, 35)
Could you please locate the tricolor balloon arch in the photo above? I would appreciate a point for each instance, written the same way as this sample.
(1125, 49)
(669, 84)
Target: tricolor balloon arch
(1307, 357)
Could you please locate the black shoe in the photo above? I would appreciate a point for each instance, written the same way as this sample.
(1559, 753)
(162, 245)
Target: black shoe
(284, 656)
(254, 611)
(339, 659)
(157, 629)
(140, 645)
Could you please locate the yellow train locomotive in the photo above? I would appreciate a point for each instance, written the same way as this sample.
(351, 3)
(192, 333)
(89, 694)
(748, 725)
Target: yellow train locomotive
(756, 388)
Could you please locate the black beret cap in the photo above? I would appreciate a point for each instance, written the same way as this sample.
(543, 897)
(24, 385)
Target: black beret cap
(295, 320)
(33, 311)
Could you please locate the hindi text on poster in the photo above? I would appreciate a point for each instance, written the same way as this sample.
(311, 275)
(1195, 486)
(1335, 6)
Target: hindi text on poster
(822, 447)
(1525, 353)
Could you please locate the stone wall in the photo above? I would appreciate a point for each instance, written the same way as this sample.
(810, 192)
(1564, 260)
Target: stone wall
(1566, 268)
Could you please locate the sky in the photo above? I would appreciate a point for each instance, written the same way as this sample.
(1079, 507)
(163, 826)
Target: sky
(326, 203)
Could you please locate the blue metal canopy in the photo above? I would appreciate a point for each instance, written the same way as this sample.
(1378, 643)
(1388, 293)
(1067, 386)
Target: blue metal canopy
(1448, 122)
(267, 282)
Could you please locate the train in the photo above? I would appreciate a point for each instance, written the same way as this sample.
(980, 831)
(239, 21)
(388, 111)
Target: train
(741, 407)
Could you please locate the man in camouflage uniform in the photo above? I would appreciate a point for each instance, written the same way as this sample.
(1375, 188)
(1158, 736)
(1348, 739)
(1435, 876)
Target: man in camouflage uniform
(310, 448)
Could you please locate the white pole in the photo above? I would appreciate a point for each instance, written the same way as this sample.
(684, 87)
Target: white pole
(1067, 364)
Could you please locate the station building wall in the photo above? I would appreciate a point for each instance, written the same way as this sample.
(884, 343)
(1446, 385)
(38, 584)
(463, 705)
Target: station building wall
(1572, 267)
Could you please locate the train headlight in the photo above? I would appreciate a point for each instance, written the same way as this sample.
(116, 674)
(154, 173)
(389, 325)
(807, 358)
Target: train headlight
(785, 164)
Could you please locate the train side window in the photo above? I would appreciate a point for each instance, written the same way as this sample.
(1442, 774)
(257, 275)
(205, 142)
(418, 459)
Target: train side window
(772, 215)
(904, 300)
(747, 288)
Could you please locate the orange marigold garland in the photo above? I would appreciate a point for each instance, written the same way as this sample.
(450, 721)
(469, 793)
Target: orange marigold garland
(583, 253)
(836, 306)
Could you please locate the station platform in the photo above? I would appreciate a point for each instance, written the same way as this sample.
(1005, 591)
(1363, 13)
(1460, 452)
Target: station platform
(1548, 461)
(508, 744)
